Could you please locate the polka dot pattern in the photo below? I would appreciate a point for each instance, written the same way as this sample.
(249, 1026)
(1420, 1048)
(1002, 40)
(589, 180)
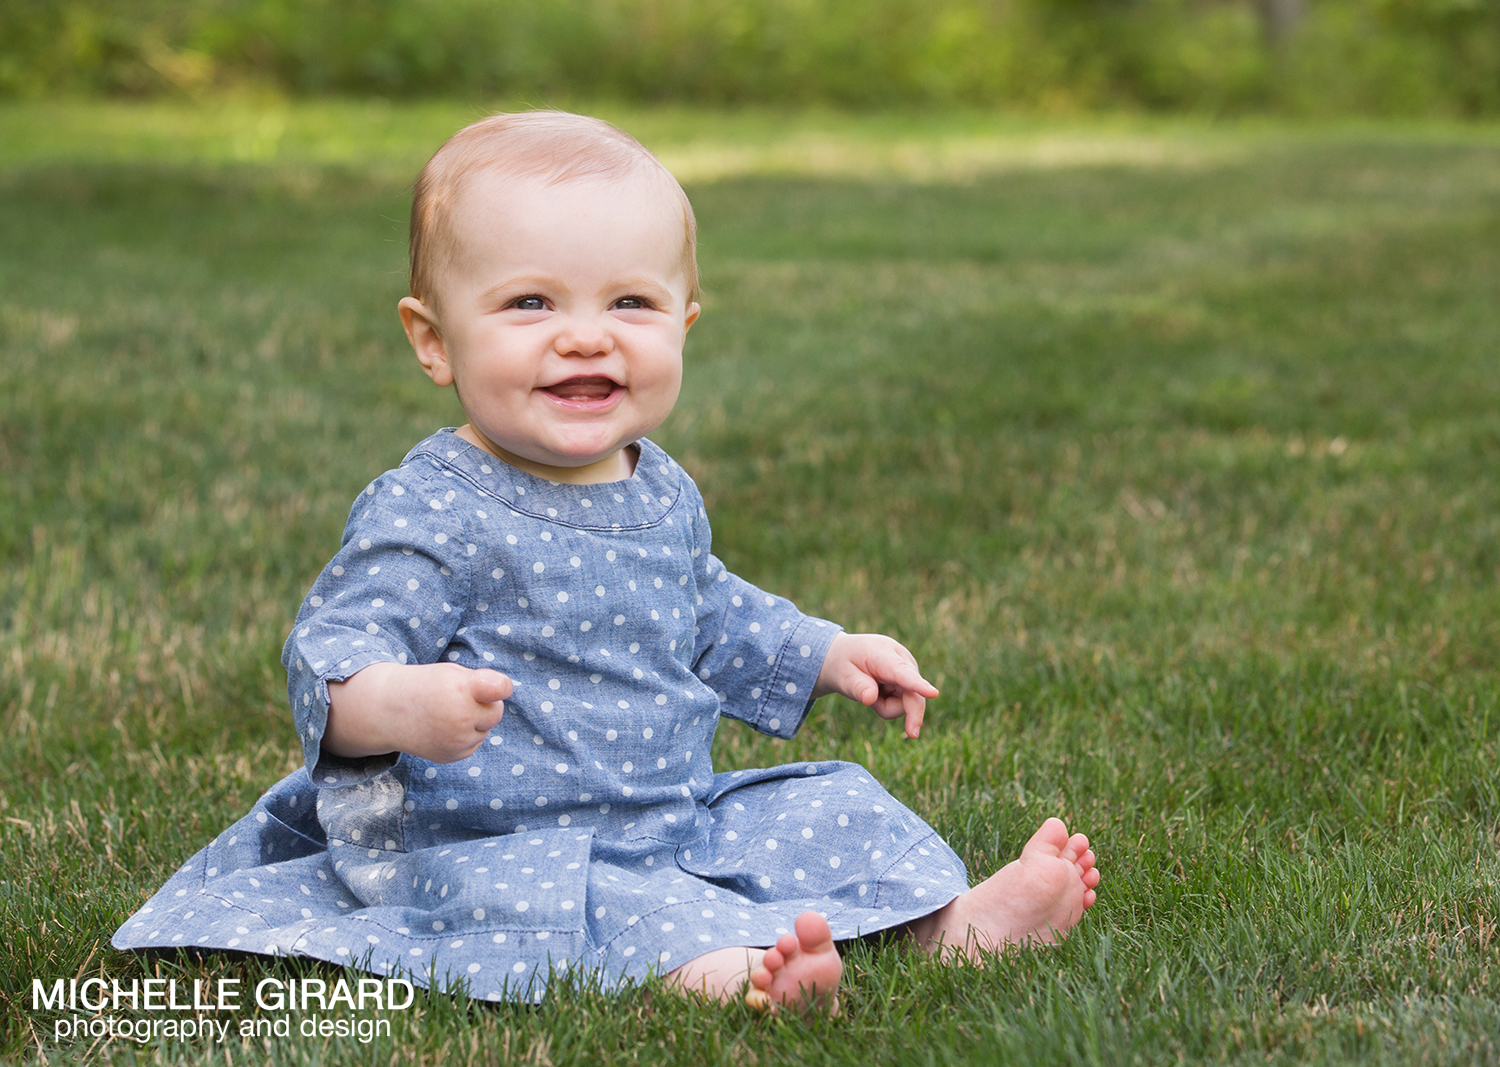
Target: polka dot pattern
(591, 830)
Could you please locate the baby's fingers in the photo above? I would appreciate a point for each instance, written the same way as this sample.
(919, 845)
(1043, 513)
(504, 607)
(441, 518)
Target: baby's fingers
(897, 703)
(915, 707)
(488, 690)
(900, 671)
(487, 686)
(857, 685)
(910, 680)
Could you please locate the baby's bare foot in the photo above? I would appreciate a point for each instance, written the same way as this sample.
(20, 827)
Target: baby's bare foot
(1035, 899)
(803, 970)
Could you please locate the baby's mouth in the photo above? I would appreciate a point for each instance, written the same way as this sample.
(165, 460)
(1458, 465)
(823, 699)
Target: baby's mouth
(596, 387)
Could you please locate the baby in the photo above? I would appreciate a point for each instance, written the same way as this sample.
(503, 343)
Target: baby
(507, 681)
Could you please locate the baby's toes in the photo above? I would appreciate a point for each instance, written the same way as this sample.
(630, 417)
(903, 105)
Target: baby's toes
(1089, 896)
(788, 946)
(773, 960)
(1091, 878)
(1074, 850)
(1088, 859)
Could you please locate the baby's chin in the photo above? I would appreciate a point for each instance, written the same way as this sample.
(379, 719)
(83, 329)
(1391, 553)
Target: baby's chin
(582, 465)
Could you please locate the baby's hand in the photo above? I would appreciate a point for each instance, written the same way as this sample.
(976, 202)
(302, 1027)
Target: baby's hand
(438, 711)
(878, 672)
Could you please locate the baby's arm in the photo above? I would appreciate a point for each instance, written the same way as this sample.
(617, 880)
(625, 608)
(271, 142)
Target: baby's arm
(878, 672)
(377, 631)
(438, 711)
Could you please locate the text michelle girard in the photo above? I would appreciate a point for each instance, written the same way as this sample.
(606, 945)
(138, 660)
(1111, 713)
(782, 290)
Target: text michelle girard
(152, 1009)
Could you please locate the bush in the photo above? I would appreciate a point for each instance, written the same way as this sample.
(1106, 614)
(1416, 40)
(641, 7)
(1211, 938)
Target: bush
(1347, 56)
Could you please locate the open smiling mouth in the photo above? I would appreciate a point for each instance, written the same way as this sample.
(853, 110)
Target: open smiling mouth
(584, 391)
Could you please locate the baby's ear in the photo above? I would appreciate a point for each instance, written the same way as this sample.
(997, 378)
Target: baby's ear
(421, 326)
(693, 311)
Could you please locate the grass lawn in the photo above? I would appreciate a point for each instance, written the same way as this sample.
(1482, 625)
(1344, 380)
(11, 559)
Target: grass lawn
(1171, 451)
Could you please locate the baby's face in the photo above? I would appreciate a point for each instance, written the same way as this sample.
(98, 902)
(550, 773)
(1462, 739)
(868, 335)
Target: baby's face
(562, 320)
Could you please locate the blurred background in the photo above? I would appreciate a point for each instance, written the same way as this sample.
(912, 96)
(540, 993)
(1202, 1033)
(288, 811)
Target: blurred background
(1136, 362)
(1319, 57)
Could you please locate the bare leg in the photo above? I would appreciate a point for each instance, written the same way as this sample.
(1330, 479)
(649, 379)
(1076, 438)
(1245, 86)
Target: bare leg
(802, 970)
(1035, 899)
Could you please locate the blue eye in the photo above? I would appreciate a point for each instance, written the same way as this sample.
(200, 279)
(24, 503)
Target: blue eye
(529, 303)
(630, 303)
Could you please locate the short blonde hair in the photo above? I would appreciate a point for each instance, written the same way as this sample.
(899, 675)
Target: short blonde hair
(554, 145)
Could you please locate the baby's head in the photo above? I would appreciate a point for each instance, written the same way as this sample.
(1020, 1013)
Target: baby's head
(554, 147)
(553, 279)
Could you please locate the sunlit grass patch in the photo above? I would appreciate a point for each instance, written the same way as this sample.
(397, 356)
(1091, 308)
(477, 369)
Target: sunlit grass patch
(1177, 473)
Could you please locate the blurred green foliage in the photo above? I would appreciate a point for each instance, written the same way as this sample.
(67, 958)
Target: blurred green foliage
(1412, 57)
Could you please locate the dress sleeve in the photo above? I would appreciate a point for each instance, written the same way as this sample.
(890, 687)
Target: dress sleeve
(758, 652)
(394, 594)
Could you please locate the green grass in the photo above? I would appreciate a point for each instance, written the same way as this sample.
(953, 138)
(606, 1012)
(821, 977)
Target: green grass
(1170, 450)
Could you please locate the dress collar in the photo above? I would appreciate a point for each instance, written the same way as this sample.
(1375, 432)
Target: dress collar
(640, 501)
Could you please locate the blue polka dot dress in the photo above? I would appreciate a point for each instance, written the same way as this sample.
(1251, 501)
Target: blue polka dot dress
(589, 831)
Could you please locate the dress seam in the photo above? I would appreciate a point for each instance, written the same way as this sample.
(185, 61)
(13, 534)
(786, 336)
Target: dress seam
(880, 879)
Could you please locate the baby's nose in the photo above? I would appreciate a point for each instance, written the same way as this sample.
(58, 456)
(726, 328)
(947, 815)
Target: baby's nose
(584, 338)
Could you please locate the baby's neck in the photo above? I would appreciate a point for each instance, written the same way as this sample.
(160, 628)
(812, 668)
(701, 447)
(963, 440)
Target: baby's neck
(615, 467)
